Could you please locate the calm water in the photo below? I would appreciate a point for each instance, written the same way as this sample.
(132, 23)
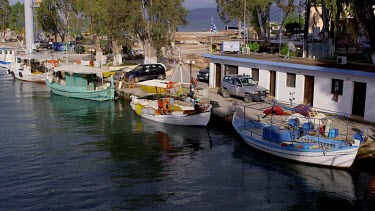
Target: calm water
(58, 153)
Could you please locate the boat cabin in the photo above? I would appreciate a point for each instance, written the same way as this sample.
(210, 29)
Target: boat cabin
(36, 64)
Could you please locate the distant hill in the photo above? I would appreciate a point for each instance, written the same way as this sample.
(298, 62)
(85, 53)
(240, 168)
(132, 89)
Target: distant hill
(200, 19)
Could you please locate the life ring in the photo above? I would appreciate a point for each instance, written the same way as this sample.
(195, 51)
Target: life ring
(20, 74)
(170, 85)
(167, 106)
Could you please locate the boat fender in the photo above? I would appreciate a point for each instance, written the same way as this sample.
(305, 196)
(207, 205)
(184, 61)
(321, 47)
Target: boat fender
(8, 71)
(167, 106)
(20, 74)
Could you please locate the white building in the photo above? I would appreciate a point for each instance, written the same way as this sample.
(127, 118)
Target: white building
(334, 88)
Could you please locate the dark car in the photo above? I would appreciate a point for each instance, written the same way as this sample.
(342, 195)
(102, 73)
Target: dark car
(243, 86)
(204, 74)
(147, 72)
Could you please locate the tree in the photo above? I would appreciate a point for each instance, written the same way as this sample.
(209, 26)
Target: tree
(94, 11)
(116, 27)
(54, 16)
(232, 11)
(364, 12)
(155, 23)
(5, 10)
(287, 7)
(259, 9)
(17, 18)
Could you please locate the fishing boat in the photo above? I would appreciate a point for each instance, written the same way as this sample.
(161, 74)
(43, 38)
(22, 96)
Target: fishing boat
(32, 67)
(7, 56)
(306, 142)
(83, 82)
(170, 111)
(156, 86)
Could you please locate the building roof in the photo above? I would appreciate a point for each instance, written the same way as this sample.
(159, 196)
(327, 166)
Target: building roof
(366, 70)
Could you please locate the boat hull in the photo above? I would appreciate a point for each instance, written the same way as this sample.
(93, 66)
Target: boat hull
(4, 64)
(201, 119)
(38, 78)
(340, 158)
(174, 118)
(150, 89)
(81, 92)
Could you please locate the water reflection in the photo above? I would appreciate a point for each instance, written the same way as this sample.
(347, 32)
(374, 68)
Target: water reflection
(304, 186)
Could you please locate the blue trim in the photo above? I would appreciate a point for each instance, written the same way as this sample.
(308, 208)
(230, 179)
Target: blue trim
(290, 65)
(6, 63)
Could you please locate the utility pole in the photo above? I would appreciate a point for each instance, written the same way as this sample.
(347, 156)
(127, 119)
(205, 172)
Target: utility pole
(306, 29)
(281, 20)
(212, 21)
(244, 24)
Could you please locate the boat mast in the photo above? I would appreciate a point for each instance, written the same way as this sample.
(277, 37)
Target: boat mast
(29, 26)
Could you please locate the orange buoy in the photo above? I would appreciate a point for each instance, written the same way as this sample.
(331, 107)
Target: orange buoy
(167, 106)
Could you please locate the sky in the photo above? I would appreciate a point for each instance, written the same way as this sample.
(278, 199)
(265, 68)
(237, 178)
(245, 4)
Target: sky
(189, 4)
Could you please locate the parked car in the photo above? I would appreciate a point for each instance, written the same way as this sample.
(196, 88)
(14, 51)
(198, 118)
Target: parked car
(243, 86)
(80, 49)
(41, 44)
(147, 72)
(204, 74)
(296, 37)
(366, 44)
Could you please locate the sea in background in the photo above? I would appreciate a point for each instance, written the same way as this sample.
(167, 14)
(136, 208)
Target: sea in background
(59, 153)
(200, 19)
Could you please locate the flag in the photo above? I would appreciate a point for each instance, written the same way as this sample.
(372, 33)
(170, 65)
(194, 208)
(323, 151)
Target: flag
(213, 27)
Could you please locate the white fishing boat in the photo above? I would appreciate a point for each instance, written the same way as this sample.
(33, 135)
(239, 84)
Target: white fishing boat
(307, 142)
(171, 111)
(32, 67)
(7, 56)
(82, 82)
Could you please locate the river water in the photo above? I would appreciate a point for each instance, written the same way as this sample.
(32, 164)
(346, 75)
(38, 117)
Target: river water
(58, 153)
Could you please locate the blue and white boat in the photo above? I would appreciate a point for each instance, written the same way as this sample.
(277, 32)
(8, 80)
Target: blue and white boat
(7, 56)
(83, 82)
(289, 138)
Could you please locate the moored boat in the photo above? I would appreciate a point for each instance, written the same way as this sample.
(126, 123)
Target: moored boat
(31, 68)
(307, 142)
(156, 86)
(171, 111)
(83, 82)
(7, 56)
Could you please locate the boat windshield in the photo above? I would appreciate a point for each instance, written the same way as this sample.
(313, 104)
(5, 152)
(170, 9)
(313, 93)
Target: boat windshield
(248, 82)
(137, 68)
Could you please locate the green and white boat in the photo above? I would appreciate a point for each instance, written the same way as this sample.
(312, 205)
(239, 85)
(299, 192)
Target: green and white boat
(83, 82)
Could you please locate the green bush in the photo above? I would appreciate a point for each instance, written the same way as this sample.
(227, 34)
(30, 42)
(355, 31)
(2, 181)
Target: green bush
(254, 47)
(284, 51)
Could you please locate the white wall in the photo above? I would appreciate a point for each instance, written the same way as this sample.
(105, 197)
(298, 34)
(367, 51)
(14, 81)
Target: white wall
(322, 86)
(264, 78)
(370, 102)
(283, 91)
(323, 95)
(244, 70)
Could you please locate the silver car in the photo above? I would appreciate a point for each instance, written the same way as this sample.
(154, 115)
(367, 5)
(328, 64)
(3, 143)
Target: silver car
(243, 86)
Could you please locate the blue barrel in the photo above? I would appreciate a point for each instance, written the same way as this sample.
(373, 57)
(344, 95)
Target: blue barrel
(333, 133)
